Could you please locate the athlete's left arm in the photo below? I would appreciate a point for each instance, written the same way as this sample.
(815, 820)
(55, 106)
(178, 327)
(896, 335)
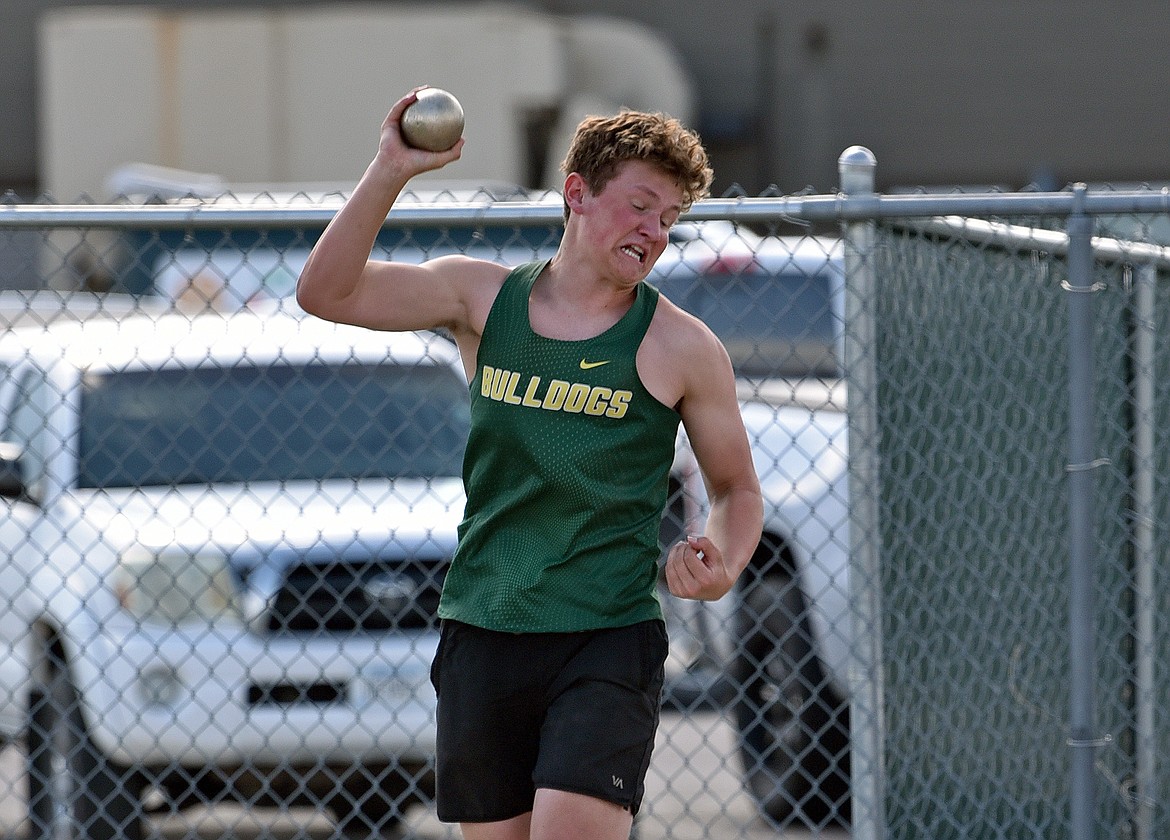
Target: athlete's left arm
(706, 567)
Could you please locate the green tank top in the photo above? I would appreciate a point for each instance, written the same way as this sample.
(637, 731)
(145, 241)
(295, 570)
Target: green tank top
(566, 473)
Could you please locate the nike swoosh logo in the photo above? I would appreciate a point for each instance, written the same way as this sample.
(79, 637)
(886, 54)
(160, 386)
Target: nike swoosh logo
(590, 365)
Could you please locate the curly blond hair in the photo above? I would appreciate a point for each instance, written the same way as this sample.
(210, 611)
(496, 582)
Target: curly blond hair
(601, 144)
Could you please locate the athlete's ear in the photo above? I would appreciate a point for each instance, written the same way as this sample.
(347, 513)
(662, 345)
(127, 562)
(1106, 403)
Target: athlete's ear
(575, 191)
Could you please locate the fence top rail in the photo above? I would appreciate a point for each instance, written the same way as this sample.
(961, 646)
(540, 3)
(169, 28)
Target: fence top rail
(215, 213)
(1024, 238)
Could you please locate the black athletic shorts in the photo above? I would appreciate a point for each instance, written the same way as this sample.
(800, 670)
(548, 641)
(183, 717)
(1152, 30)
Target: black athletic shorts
(567, 711)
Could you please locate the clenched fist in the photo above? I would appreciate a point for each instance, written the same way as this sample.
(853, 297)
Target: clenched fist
(695, 570)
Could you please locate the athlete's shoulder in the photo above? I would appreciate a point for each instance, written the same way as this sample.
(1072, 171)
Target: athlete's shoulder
(472, 269)
(680, 355)
(680, 331)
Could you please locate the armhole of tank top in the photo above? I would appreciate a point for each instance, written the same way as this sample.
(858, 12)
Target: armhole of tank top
(522, 276)
(650, 302)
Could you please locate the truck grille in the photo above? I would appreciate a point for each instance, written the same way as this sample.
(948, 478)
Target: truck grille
(372, 595)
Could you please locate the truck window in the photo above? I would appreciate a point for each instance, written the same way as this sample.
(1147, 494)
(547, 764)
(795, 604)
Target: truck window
(283, 422)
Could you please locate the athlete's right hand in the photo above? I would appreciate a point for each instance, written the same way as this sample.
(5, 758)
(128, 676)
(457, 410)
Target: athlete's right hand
(407, 161)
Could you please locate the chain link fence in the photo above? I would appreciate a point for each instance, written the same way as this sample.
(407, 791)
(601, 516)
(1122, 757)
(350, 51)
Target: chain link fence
(227, 523)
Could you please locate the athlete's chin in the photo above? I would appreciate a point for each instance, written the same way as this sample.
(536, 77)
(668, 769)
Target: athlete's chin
(635, 272)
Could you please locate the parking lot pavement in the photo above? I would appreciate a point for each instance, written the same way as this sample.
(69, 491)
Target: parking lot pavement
(692, 793)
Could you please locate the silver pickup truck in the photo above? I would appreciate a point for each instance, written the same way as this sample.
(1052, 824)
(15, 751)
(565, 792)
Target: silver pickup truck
(220, 562)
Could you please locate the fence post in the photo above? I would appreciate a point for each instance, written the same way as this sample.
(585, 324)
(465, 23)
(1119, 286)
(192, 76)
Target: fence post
(856, 168)
(1082, 739)
(1145, 733)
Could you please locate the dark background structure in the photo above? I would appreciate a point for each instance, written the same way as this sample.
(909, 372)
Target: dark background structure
(995, 92)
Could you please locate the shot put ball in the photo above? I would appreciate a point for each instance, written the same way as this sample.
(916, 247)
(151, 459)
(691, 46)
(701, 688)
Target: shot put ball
(434, 121)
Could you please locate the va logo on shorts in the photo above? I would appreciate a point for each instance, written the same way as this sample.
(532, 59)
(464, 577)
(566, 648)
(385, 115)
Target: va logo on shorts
(617, 782)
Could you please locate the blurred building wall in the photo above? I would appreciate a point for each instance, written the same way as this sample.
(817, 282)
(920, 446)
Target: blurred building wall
(296, 95)
(1022, 91)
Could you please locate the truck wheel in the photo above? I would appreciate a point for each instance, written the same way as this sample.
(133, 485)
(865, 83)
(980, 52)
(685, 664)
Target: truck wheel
(371, 803)
(75, 790)
(792, 732)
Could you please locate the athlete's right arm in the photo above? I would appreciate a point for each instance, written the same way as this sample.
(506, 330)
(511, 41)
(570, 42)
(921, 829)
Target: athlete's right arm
(341, 283)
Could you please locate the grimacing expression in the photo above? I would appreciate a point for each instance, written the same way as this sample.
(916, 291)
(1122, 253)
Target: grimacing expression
(630, 219)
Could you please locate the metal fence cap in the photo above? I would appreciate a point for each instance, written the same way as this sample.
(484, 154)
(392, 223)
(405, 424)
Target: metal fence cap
(856, 167)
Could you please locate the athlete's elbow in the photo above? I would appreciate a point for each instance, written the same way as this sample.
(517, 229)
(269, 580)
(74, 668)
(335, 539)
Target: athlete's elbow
(306, 300)
(310, 296)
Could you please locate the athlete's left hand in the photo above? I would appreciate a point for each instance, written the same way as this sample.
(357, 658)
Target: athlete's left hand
(695, 570)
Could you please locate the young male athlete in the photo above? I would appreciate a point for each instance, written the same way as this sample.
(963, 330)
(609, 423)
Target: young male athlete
(550, 663)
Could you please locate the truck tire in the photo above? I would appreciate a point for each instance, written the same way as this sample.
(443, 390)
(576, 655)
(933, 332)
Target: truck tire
(75, 790)
(792, 730)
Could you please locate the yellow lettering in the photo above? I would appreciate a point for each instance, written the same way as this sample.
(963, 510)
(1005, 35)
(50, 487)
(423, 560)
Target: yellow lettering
(530, 399)
(575, 400)
(618, 404)
(510, 395)
(573, 397)
(499, 383)
(555, 397)
(596, 404)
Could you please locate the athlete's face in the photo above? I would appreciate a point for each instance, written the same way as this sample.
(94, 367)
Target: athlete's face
(629, 221)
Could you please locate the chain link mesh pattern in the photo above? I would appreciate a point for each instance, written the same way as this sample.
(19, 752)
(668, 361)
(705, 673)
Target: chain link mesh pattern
(974, 429)
(217, 593)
